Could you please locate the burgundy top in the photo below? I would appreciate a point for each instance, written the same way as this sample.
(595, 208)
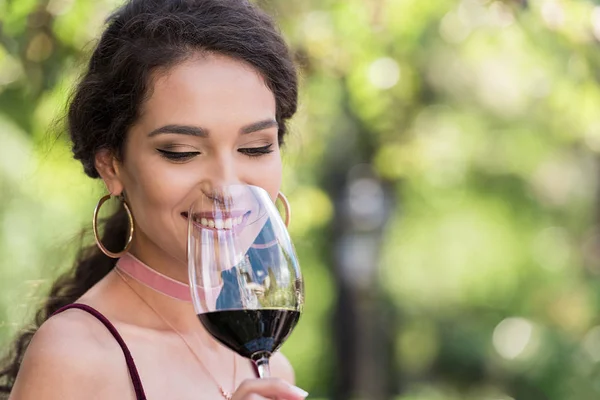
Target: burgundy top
(133, 373)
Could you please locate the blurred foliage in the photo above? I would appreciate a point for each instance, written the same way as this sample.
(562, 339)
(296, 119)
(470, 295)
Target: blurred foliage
(482, 115)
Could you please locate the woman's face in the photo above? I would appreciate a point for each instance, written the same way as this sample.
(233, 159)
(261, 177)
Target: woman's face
(209, 121)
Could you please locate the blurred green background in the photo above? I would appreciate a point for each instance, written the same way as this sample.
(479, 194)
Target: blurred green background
(443, 171)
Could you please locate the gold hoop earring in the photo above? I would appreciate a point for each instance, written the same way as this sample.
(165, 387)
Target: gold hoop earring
(97, 236)
(286, 208)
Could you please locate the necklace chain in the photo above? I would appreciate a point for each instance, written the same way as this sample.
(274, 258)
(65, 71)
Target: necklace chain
(227, 395)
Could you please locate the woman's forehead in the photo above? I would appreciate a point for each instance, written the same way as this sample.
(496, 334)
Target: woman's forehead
(210, 89)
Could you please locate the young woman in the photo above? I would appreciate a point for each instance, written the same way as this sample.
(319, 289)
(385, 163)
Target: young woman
(178, 93)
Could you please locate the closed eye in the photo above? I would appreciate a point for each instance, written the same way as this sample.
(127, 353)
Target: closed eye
(257, 151)
(178, 155)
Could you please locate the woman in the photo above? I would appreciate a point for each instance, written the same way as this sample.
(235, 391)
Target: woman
(178, 93)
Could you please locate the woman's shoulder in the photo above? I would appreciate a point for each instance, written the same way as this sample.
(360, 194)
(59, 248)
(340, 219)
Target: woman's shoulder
(74, 328)
(70, 355)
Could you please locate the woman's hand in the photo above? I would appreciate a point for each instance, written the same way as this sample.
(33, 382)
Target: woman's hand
(270, 388)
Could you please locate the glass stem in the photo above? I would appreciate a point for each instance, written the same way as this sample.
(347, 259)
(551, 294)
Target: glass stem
(262, 364)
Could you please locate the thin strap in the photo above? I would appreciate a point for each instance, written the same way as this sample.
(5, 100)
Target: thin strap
(135, 377)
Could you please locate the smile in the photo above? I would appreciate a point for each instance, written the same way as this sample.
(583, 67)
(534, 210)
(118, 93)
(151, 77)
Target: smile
(223, 222)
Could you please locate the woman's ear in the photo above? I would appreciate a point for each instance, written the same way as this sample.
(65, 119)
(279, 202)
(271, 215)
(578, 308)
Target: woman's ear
(108, 167)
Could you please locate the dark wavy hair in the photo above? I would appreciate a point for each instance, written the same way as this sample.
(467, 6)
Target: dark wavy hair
(141, 38)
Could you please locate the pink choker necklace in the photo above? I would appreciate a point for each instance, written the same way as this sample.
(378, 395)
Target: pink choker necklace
(147, 276)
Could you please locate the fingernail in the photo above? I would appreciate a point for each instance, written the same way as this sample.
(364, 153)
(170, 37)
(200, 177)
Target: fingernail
(299, 391)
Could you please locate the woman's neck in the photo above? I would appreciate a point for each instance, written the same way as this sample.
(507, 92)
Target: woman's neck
(153, 277)
(130, 265)
(159, 260)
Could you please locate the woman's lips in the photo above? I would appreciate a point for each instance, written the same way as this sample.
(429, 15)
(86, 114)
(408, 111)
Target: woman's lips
(223, 221)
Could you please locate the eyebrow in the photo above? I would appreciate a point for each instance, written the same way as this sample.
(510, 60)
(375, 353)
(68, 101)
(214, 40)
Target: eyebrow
(181, 130)
(259, 126)
(203, 133)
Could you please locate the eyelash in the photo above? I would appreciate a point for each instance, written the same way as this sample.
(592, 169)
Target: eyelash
(187, 155)
(257, 151)
(178, 155)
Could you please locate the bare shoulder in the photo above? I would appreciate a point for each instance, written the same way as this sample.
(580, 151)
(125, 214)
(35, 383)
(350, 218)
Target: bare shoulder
(281, 368)
(71, 356)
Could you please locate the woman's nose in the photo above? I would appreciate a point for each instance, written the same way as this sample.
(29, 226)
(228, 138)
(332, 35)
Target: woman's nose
(222, 172)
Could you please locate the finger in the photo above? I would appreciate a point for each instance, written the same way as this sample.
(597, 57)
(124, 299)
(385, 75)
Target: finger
(253, 396)
(270, 388)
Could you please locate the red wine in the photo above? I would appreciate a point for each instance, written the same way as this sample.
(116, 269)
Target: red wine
(251, 332)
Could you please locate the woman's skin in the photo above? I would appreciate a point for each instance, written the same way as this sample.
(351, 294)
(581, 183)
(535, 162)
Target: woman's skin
(208, 121)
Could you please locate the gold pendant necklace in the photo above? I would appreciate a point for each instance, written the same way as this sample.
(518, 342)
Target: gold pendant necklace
(227, 395)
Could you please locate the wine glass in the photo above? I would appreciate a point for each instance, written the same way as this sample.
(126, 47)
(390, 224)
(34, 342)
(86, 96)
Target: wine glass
(245, 279)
